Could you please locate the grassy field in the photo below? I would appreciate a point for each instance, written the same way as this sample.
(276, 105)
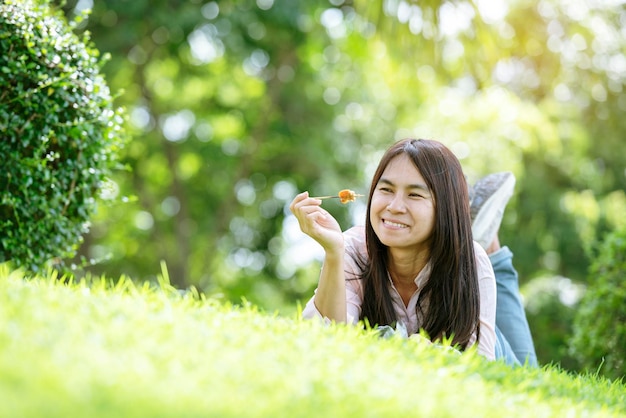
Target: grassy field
(98, 350)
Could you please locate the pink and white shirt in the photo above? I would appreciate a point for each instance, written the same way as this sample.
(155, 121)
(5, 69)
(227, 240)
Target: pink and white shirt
(355, 244)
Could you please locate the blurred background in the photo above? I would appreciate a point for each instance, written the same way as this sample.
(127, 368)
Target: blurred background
(236, 106)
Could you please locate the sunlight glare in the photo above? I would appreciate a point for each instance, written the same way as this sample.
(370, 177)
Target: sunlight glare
(492, 11)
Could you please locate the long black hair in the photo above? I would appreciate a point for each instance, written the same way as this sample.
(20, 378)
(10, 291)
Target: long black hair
(449, 302)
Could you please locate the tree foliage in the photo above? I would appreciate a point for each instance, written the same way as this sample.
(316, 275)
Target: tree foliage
(60, 134)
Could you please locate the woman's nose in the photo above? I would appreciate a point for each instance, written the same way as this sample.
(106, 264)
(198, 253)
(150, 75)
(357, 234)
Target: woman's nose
(396, 204)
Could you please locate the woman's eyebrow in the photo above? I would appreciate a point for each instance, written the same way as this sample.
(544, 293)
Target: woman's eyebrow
(418, 186)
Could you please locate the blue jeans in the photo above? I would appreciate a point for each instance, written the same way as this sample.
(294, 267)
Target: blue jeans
(514, 342)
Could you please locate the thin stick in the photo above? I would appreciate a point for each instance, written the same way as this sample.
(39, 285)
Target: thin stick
(335, 197)
(326, 197)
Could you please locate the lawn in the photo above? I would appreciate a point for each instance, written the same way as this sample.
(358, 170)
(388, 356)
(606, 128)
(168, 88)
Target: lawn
(94, 349)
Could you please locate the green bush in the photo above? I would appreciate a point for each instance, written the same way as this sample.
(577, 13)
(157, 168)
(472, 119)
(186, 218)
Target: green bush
(599, 340)
(60, 134)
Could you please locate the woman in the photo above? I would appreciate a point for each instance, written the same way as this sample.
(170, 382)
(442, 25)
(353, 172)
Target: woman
(415, 261)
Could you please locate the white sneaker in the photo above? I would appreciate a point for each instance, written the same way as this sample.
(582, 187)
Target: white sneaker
(488, 199)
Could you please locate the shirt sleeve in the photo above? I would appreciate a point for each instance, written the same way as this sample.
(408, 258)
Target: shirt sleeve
(487, 289)
(354, 241)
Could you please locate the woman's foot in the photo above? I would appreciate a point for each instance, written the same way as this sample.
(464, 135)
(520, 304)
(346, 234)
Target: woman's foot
(488, 199)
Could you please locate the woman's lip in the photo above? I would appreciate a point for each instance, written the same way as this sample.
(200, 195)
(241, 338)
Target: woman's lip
(394, 224)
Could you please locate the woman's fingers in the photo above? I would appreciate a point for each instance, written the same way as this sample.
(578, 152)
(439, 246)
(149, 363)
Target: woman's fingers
(302, 199)
(296, 200)
(310, 217)
(303, 204)
(314, 220)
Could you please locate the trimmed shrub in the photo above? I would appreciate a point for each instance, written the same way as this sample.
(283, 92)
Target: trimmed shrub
(599, 340)
(60, 134)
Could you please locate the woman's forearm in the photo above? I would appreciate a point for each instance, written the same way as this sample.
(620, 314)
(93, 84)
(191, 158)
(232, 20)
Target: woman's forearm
(330, 297)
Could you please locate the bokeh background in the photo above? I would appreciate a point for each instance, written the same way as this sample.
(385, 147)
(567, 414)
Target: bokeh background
(235, 106)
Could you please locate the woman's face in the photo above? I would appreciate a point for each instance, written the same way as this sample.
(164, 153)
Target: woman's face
(402, 210)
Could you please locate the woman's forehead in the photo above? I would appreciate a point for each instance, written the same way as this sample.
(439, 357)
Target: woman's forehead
(402, 166)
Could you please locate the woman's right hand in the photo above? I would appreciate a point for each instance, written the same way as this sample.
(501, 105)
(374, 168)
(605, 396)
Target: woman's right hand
(316, 222)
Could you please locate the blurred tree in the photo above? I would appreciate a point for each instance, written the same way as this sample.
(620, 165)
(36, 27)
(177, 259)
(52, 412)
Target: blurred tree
(232, 108)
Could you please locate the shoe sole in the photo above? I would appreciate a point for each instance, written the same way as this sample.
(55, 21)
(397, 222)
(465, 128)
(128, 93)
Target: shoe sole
(484, 220)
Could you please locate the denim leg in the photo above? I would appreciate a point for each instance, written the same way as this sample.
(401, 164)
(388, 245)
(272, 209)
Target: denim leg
(511, 320)
(504, 350)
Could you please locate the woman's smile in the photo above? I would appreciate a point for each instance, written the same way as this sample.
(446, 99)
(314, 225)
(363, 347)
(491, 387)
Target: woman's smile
(394, 224)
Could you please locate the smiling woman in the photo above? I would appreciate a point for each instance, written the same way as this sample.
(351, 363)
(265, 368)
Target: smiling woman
(414, 265)
(422, 245)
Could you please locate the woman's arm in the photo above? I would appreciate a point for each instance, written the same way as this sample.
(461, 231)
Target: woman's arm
(330, 297)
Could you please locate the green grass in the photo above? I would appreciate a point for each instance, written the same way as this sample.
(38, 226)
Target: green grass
(98, 350)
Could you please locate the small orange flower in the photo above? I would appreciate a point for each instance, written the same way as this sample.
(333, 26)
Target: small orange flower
(346, 196)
